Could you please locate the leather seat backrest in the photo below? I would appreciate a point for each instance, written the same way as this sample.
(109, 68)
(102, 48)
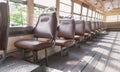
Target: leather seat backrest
(96, 25)
(67, 29)
(4, 25)
(101, 24)
(79, 27)
(93, 26)
(46, 26)
(87, 26)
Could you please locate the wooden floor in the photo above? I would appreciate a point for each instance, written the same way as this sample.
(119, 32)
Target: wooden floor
(99, 55)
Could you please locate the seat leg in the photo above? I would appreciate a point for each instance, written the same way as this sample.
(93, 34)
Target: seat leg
(46, 57)
(64, 52)
(23, 53)
(61, 52)
(3, 57)
(35, 56)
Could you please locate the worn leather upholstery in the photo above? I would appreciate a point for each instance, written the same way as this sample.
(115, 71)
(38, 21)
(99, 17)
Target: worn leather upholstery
(67, 31)
(96, 23)
(32, 44)
(4, 25)
(45, 28)
(64, 42)
(100, 26)
(79, 28)
(87, 26)
(93, 26)
(88, 29)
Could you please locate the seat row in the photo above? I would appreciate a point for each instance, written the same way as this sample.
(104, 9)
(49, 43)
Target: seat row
(47, 34)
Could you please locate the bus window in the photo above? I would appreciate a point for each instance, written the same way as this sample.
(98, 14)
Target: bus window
(42, 7)
(65, 8)
(77, 11)
(18, 14)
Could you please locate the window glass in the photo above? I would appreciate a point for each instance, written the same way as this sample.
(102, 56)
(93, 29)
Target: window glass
(89, 12)
(76, 17)
(47, 3)
(68, 2)
(63, 14)
(65, 8)
(84, 11)
(43, 7)
(18, 14)
(112, 18)
(84, 18)
(88, 19)
(93, 15)
(77, 8)
(2, 0)
(93, 19)
(96, 15)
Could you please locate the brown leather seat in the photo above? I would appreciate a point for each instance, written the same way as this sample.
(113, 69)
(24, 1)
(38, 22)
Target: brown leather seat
(45, 28)
(32, 44)
(77, 37)
(4, 25)
(88, 30)
(96, 24)
(79, 30)
(99, 26)
(102, 27)
(93, 28)
(66, 31)
(64, 43)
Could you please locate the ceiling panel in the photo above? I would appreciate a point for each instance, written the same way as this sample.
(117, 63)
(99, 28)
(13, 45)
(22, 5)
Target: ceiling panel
(105, 5)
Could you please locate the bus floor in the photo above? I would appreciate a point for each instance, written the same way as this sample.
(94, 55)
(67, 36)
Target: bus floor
(99, 55)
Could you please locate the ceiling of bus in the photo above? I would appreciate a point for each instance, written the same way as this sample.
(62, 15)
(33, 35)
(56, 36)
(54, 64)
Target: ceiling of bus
(105, 5)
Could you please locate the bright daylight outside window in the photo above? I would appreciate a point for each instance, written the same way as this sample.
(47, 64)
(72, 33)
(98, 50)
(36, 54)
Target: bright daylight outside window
(18, 14)
(89, 15)
(112, 18)
(84, 13)
(42, 7)
(93, 16)
(77, 10)
(65, 8)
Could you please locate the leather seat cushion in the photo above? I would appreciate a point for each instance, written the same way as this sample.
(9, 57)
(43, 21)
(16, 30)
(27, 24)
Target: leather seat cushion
(77, 37)
(87, 34)
(97, 31)
(32, 44)
(93, 33)
(64, 43)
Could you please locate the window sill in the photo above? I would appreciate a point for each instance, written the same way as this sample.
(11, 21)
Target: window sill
(18, 31)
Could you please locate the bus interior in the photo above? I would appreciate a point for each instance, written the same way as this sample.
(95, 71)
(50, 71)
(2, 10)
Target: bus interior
(59, 35)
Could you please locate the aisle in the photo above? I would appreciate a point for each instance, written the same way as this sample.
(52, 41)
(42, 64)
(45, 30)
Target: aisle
(99, 55)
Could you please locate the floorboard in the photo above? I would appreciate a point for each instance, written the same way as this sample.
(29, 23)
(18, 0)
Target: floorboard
(98, 55)
(101, 54)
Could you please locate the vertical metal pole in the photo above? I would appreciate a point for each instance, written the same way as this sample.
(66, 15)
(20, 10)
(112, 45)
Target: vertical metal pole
(23, 53)
(46, 57)
(35, 56)
(61, 51)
